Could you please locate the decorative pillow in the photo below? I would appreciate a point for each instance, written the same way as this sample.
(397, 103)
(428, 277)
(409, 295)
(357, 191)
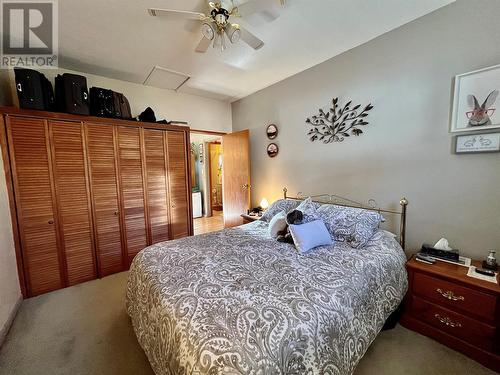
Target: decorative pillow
(310, 235)
(309, 210)
(286, 205)
(277, 224)
(352, 225)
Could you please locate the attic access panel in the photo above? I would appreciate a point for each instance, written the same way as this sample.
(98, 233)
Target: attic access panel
(164, 78)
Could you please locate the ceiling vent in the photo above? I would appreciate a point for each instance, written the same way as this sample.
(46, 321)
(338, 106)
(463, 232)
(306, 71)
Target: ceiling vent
(164, 78)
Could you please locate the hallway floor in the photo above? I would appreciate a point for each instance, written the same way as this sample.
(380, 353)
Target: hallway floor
(209, 224)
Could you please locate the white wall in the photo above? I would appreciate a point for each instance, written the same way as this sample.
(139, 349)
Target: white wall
(10, 293)
(200, 113)
(406, 150)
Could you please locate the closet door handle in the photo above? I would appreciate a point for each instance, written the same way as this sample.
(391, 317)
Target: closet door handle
(115, 213)
(51, 222)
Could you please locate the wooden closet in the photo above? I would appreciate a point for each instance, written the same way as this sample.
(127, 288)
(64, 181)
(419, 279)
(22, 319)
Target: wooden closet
(87, 194)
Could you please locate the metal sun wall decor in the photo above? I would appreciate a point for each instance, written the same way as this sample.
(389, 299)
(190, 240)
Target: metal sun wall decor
(338, 122)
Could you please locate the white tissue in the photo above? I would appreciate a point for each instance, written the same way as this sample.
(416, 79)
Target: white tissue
(443, 244)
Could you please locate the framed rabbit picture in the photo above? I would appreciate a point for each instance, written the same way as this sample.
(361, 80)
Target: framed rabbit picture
(476, 102)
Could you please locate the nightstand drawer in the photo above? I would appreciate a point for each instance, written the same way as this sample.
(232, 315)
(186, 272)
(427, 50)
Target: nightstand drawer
(455, 296)
(458, 325)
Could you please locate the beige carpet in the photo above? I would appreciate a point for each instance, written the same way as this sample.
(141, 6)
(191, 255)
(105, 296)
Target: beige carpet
(85, 330)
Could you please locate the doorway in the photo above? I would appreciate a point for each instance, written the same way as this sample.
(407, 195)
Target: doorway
(206, 181)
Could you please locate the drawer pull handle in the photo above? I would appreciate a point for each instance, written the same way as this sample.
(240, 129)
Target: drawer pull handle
(447, 321)
(450, 295)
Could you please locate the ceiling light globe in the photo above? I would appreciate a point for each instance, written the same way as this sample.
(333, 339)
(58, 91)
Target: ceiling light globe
(207, 31)
(233, 33)
(235, 36)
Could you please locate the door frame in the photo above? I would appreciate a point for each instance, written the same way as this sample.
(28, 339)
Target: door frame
(207, 132)
(207, 152)
(210, 175)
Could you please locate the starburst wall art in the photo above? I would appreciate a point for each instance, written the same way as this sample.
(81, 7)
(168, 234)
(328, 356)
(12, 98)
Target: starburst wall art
(338, 123)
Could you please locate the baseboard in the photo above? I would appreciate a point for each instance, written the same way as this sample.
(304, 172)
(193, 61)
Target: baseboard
(5, 329)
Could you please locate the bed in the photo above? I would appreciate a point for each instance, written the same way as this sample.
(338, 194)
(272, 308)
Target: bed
(239, 302)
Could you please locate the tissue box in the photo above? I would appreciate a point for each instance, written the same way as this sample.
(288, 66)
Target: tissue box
(437, 253)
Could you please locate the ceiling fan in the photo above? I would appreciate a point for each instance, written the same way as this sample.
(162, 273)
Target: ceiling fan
(216, 26)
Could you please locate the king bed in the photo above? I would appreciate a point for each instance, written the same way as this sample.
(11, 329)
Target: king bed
(239, 302)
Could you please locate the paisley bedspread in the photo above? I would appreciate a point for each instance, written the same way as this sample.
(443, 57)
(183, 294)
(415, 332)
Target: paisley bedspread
(239, 302)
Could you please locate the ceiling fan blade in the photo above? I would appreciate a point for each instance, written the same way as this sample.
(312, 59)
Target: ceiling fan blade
(203, 45)
(251, 39)
(156, 12)
(268, 9)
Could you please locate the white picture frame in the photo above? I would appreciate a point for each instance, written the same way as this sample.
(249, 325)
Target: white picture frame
(479, 83)
(477, 143)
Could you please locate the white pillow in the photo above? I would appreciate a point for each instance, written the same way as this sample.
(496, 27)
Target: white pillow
(277, 224)
(286, 205)
(308, 209)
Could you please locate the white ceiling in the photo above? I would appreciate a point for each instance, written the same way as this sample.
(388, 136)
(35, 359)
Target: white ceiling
(118, 39)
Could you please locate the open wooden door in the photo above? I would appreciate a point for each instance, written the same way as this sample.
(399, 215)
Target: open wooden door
(236, 177)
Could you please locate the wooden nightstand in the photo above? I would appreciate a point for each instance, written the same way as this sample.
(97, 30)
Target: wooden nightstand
(249, 218)
(459, 311)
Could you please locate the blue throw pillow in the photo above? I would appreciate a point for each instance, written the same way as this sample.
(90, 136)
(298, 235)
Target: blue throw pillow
(310, 235)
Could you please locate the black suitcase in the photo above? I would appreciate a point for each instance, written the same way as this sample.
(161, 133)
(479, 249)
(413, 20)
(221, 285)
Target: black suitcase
(34, 90)
(102, 102)
(117, 110)
(121, 106)
(49, 98)
(71, 94)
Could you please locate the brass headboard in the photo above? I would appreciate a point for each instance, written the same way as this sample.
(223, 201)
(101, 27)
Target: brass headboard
(371, 205)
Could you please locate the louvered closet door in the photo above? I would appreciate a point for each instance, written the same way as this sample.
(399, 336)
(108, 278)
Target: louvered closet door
(35, 202)
(103, 180)
(132, 190)
(73, 200)
(180, 218)
(157, 184)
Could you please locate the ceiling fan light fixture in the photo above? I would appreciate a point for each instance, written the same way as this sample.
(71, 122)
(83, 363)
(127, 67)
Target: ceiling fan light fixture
(220, 18)
(233, 32)
(223, 40)
(216, 26)
(220, 41)
(217, 41)
(208, 31)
